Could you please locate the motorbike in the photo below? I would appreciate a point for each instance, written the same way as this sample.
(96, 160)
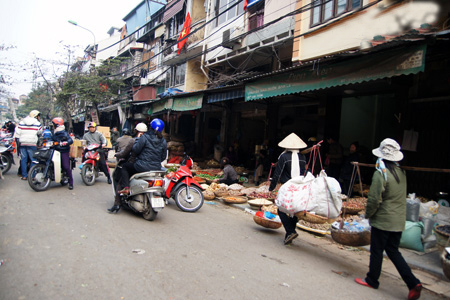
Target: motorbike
(7, 150)
(146, 192)
(181, 187)
(90, 167)
(47, 168)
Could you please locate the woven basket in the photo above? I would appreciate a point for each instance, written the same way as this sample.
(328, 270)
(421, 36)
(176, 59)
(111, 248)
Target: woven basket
(312, 218)
(441, 236)
(234, 199)
(208, 195)
(351, 210)
(266, 222)
(355, 239)
(445, 265)
(221, 193)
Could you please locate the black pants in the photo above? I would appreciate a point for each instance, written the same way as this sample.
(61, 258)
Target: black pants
(102, 164)
(289, 223)
(128, 170)
(387, 241)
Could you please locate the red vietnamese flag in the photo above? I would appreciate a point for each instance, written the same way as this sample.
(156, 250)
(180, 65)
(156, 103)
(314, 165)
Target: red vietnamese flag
(184, 32)
(245, 4)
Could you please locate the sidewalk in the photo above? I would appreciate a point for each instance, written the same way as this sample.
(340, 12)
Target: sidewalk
(427, 266)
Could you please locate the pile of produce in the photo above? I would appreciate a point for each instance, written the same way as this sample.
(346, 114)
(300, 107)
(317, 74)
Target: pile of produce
(354, 205)
(266, 195)
(208, 195)
(272, 208)
(212, 163)
(307, 225)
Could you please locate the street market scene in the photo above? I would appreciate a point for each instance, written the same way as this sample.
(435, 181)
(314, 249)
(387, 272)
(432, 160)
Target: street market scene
(232, 149)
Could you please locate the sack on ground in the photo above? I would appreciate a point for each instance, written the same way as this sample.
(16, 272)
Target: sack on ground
(411, 237)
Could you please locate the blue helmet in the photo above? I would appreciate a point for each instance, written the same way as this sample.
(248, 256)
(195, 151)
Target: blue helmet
(157, 125)
(47, 134)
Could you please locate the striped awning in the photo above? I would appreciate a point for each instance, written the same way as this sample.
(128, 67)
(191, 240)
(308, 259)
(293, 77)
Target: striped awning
(172, 9)
(230, 95)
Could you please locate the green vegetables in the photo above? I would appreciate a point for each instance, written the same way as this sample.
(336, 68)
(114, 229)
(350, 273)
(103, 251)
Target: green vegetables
(208, 176)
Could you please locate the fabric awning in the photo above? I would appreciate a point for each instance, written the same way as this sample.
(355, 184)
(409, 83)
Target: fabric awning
(230, 95)
(161, 106)
(172, 9)
(188, 103)
(402, 61)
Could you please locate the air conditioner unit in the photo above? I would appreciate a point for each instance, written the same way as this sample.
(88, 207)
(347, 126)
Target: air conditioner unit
(229, 37)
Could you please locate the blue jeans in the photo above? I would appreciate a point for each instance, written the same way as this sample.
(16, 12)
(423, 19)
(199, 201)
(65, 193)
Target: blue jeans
(26, 153)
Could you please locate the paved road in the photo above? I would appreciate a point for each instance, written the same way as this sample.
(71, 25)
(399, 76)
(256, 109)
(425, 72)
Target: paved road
(62, 244)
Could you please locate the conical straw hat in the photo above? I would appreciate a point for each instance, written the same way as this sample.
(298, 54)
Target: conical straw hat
(292, 141)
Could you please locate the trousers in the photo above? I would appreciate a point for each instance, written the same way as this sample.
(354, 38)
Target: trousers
(387, 241)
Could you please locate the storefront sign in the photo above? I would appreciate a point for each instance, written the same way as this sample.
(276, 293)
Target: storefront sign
(188, 103)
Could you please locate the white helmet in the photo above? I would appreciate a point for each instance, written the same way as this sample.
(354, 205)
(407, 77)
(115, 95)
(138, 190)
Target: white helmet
(141, 127)
(34, 113)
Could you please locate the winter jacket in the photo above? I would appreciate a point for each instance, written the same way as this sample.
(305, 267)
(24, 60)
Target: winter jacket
(62, 136)
(28, 131)
(95, 137)
(122, 142)
(150, 152)
(386, 202)
(126, 152)
(283, 170)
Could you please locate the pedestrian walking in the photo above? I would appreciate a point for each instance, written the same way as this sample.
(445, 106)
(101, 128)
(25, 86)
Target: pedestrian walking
(291, 163)
(386, 211)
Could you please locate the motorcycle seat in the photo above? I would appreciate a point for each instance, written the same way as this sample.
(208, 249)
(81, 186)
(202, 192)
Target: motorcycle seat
(148, 174)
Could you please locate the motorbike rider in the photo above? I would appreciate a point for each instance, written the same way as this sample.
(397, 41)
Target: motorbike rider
(95, 137)
(26, 135)
(64, 140)
(123, 141)
(128, 156)
(150, 150)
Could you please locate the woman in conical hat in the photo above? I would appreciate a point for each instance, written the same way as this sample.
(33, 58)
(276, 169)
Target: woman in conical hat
(291, 163)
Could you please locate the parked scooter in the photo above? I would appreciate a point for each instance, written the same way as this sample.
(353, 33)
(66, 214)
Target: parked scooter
(146, 192)
(6, 150)
(90, 167)
(48, 168)
(182, 187)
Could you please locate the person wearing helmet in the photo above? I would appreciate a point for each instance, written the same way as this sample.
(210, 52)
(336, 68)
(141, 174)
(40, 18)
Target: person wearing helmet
(96, 137)
(150, 150)
(114, 136)
(123, 141)
(128, 158)
(62, 137)
(27, 135)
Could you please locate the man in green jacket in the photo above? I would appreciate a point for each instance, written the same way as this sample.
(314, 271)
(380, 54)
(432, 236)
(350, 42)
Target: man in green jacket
(386, 211)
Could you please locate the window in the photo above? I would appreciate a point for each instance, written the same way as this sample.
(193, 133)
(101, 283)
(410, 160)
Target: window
(256, 20)
(224, 5)
(175, 76)
(325, 10)
(176, 23)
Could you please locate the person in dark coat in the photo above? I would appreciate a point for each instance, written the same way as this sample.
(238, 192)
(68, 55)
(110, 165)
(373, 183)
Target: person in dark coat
(150, 149)
(291, 163)
(62, 137)
(347, 168)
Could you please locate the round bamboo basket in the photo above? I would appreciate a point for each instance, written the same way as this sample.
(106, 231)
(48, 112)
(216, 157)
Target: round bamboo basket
(348, 238)
(441, 236)
(312, 218)
(351, 210)
(234, 199)
(257, 203)
(208, 195)
(266, 222)
(445, 265)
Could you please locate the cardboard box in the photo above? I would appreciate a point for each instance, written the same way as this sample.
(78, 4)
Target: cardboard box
(75, 151)
(79, 143)
(104, 130)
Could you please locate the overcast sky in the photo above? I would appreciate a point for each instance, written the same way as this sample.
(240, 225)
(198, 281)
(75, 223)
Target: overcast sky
(37, 27)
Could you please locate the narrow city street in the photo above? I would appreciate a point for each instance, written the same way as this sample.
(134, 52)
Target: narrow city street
(62, 244)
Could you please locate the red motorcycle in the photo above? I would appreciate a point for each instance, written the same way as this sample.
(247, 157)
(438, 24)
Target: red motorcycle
(90, 167)
(182, 187)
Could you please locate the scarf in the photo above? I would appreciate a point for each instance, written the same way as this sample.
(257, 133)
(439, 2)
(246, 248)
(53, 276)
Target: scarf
(381, 167)
(295, 166)
(60, 128)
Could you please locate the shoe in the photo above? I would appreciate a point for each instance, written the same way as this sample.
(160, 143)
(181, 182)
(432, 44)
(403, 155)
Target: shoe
(70, 186)
(114, 209)
(109, 180)
(362, 282)
(125, 191)
(414, 293)
(290, 238)
(23, 178)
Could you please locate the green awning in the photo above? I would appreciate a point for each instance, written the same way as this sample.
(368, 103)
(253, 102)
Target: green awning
(161, 105)
(403, 61)
(188, 103)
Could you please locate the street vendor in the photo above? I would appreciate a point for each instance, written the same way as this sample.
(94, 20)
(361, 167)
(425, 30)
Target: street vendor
(230, 175)
(291, 163)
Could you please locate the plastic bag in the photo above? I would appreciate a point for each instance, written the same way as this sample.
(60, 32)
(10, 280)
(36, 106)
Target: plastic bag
(411, 236)
(429, 209)
(412, 208)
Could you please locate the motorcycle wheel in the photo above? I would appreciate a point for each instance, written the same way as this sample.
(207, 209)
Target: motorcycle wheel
(150, 214)
(6, 163)
(36, 178)
(88, 174)
(191, 204)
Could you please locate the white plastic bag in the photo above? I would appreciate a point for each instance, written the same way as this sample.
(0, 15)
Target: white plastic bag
(429, 209)
(296, 195)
